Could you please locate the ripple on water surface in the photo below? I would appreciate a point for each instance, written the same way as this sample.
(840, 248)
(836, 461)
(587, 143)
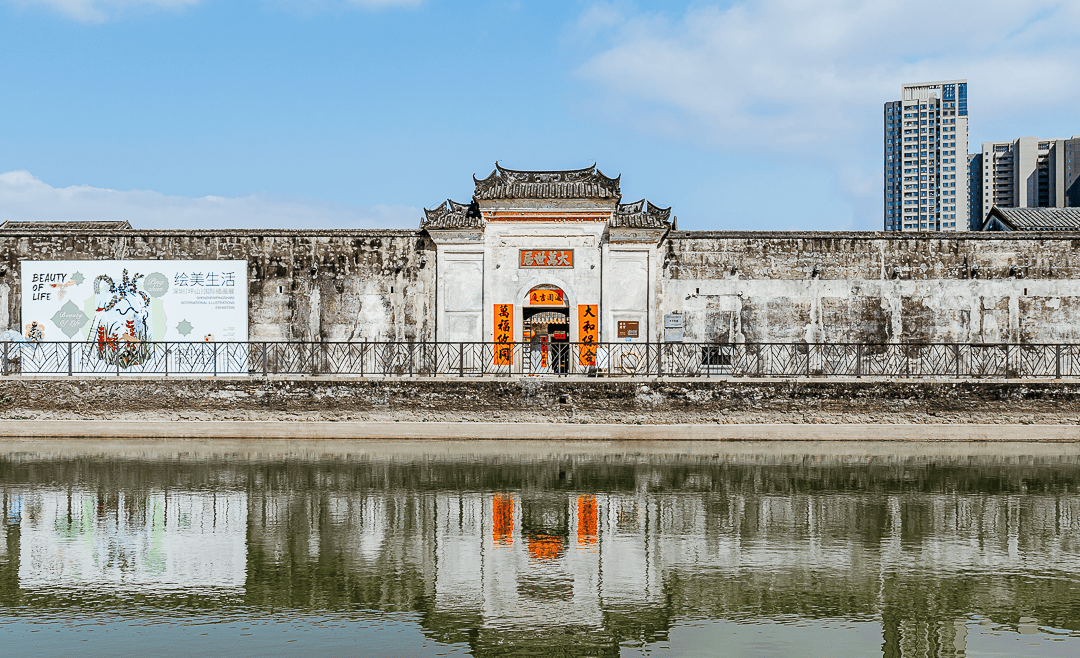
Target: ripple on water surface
(451, 548)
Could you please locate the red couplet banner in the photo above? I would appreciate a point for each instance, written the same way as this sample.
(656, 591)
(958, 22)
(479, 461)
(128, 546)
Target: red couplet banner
(588, 330)
(504, 334)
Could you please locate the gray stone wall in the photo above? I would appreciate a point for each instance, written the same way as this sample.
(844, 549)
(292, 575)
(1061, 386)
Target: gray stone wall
(302, 285)
(851, 287)
(339, 285)
(541, 400)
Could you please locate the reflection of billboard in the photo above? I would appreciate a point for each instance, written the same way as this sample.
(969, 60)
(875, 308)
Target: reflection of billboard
(120, 540)
(117, 303)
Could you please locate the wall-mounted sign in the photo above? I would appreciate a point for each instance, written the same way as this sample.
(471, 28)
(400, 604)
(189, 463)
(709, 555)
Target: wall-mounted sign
(547, 297)
(628, 329)
(504, 335)
(546, 258)
(135, 301)
(558, 335)
(673, 334)
(673, 320)
(588, 330)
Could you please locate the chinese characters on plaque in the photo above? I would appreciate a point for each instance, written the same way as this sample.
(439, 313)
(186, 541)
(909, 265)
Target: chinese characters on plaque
(504, 334)
(546, 258)
(547, 297)
(588, 328)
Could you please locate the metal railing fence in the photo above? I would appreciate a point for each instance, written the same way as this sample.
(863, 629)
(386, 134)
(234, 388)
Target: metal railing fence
(475, 359)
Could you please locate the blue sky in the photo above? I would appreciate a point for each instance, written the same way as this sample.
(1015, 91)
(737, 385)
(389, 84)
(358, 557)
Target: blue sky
(336, 113)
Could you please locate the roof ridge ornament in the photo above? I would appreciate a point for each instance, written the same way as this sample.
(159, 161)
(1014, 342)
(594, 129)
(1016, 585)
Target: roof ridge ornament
(587, 183)
(452, 214)
(641, 214)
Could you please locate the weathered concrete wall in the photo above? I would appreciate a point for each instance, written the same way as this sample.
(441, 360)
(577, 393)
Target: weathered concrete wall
(546, 400)
(851, 287)
(302, 285)
(732, 286)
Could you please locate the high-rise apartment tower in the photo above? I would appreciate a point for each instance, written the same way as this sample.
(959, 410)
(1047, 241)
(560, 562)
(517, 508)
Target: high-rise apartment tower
(1031, 173)
(926, 141)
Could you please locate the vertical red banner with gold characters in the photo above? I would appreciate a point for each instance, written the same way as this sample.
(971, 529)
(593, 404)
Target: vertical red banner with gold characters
(504, 334)
(588, 330)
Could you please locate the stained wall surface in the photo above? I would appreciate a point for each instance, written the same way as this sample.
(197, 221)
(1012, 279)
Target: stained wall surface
(302, 285)
(873, 287)
(341, 285)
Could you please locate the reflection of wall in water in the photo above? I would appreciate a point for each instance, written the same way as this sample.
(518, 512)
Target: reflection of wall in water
(125, 540)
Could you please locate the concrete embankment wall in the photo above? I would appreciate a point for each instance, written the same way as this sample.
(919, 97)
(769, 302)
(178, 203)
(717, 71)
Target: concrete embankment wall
(543, 401)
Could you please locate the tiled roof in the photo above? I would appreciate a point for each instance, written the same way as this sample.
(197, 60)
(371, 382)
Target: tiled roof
(641, 214)
(64, 226)
(451, 214)
(1038, 219)
(588, 183)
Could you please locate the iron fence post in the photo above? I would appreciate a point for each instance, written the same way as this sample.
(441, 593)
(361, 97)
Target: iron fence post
(69, 359)
(461, 360)
(660, 359)
(5, 357)
(858, 361)
(214, 350)
(907, 362)
(1006, 361)
(165, 357)
(956, 357)
(809, 346)
(1057, 361)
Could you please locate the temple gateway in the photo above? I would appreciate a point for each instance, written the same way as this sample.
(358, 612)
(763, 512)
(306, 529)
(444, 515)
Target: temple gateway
(548, 257)
(535, 258)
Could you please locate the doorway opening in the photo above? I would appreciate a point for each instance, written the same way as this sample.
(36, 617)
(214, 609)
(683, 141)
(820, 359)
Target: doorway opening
(546, 330)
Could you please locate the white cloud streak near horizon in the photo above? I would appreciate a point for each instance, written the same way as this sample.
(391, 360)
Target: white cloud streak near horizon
(807, 81)
(100, 11)
(26, 198)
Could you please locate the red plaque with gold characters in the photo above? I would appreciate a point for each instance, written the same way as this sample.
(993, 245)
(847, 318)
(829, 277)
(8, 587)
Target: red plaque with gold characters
(546, 258)
(547, 297)
(588, 330)
(504, 334)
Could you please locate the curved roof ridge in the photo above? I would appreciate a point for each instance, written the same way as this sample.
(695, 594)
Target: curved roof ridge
(587, 183)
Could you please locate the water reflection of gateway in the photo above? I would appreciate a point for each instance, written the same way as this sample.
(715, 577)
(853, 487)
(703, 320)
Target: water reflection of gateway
(539, 562)
(125, 540)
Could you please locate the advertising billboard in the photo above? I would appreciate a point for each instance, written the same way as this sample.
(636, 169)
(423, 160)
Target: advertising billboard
(135, 300)
(117, 315)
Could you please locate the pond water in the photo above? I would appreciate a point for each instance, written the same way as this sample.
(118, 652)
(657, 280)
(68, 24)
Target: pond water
(188, 548)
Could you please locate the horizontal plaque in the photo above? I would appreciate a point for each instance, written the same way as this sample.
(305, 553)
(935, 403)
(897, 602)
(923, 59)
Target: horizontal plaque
(546, 258)
(547, 297)
(628, 329)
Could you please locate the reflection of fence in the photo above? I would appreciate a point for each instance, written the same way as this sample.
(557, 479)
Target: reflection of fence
(902, 360)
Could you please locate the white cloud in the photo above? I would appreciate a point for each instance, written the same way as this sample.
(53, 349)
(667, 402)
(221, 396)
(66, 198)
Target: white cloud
(97, 11)
(808, 80)
(24, 197)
